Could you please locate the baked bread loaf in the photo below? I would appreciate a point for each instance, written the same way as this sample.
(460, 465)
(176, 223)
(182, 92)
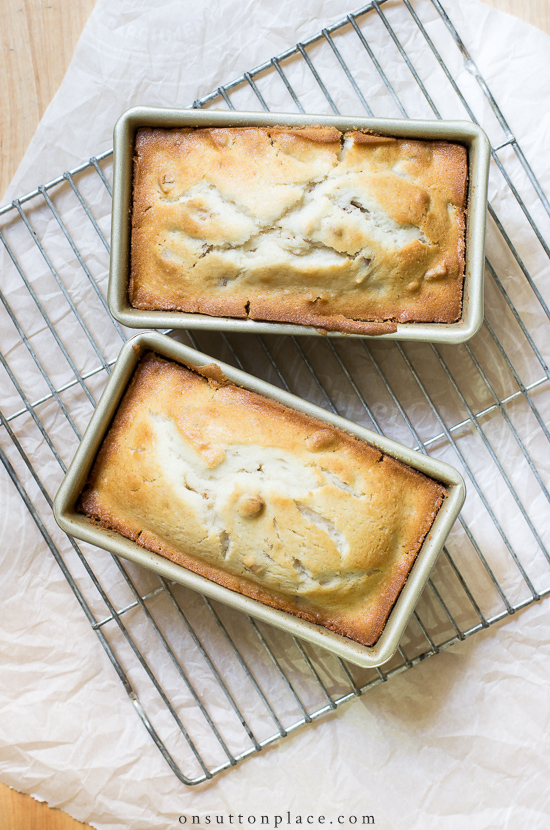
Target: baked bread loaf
(260, 498)
(352, 232)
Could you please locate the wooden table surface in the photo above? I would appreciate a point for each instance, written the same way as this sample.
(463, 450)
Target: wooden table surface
(38, 40)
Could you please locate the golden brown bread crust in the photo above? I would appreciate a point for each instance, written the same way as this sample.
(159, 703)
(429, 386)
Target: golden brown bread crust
(260, 498)
(352, 232)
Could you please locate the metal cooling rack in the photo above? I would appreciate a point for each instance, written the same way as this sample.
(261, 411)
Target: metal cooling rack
(211, 686)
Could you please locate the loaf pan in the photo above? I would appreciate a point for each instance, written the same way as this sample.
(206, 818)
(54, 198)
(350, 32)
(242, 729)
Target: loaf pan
(83, 528)
(464, 132)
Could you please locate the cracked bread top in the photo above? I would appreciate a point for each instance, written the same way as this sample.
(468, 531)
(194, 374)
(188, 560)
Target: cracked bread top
(352, 232)
(260, 498)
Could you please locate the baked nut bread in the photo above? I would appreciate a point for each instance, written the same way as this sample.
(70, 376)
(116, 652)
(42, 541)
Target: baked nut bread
(260, 498)
(344, 231)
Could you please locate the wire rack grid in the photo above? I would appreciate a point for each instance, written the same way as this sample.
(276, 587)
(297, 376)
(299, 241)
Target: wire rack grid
(211, 686)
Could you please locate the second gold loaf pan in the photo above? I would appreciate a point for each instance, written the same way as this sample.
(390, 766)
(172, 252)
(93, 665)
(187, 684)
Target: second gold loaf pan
(258, 499)
(261, 499)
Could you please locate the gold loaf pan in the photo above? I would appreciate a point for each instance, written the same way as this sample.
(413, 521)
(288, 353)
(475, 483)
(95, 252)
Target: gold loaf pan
(214, 287)
(276, 412)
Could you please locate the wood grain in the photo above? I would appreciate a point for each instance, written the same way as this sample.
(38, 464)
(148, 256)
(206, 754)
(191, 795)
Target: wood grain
(38, 39)
(536, 12)
(21, 812)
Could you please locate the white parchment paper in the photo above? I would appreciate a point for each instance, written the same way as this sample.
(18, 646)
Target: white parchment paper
(457, 741)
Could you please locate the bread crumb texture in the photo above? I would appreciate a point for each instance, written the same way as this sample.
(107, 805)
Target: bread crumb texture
(262, 499)
(344, 231)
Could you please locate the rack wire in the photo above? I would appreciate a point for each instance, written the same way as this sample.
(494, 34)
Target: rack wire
(211, 686)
